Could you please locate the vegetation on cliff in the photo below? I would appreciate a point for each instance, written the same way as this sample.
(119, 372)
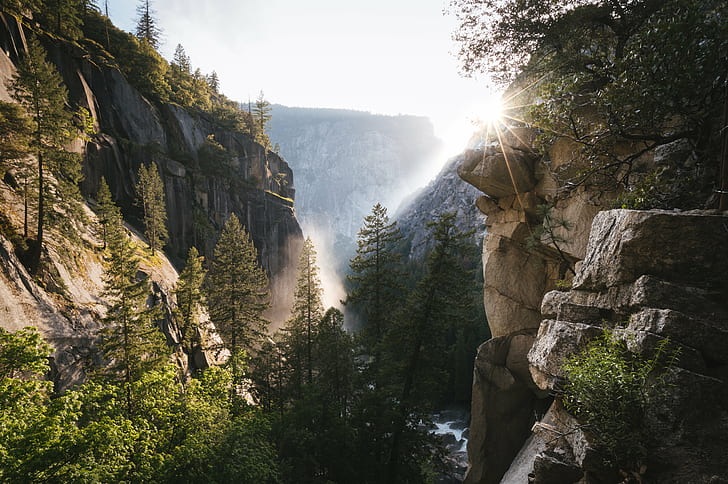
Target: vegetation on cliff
(618, 79)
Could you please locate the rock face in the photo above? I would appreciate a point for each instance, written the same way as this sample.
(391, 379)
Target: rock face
(518, 270)
(647, 268)
(447, 193)
(347, 161)
(645, 293)
(255, 184)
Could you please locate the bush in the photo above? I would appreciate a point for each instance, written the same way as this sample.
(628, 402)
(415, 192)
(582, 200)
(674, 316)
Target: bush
(609, 389)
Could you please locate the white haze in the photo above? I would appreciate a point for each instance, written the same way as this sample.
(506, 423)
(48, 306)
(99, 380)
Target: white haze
(331, 282)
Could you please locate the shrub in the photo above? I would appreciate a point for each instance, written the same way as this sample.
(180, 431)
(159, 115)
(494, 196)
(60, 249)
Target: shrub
(609, 389)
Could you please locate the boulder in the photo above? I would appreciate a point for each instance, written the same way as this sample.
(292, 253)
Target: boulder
(623, 245)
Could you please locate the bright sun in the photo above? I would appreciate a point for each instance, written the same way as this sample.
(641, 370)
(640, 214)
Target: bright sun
(489, 108)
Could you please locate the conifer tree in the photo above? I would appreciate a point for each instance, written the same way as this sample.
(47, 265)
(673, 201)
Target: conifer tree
(190, 301)
(237, 293)
(38, 87)
(146, 28)
(334, 361)
(307, 312)
(261, 118)
(15, 130)
(150, 196)
(181, 60)
(375, 274)
(109, 212)
(131, 341)
(415, 346)
(214, 82)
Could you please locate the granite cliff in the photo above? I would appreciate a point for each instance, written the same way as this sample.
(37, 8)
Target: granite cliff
(644, 275)
(201, 192)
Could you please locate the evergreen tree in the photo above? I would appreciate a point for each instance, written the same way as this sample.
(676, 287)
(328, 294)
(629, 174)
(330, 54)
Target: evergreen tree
(415, 348)
(190, 301)
(131, 342)
(334, 362)
(150, 195)
(237, 293)
(306, 314)
(63, 17)
(146, 28)
(261, 118)
(15, 130)
(375, 276)
(214, 82)
(181, 60)
(109, 213)
(38, 87)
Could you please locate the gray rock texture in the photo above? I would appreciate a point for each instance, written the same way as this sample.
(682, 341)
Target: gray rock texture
(254, 183)
(643, 302)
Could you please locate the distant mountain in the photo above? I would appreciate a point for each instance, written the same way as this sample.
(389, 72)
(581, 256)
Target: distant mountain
(346, 161)
(446, 193)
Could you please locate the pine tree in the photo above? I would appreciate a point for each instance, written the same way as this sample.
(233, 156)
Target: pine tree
(109, 213)
(214, 82)
(38, 87)
(146, 28)
(15, 130)
(261, 118)
(190, 301)
(181, 60)
(307, 311)
(131, 341)
(150, 196)
(63, 17)
(375, 275)
(237, 293)
(334, 361)
(415, 346)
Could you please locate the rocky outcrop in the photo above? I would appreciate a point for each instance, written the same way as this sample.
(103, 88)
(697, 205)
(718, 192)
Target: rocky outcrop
(252, 182)
(634, 284)
(201, 193)
(518, 269)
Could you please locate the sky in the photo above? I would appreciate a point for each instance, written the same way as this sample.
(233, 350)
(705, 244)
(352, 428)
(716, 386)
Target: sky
(382, 56)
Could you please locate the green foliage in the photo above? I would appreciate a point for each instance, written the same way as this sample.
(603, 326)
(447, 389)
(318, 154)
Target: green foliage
(617, 78)
(38, 88)
(214, 157)
(23, 352)
(150, 196)
(131, 341)
(237, 292)
(190, 301)
(375, 278)
(609, 389)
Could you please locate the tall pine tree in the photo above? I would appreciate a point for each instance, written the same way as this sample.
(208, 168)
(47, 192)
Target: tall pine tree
(38, 87)
(108, 211)
(308, 309)
(150, 196)
(190, 301)
(376, 276)
(131, 341)
(237, 293)
(147, 29)
(261, 119)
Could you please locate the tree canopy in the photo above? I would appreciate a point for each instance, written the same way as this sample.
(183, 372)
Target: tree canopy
(608, 75)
